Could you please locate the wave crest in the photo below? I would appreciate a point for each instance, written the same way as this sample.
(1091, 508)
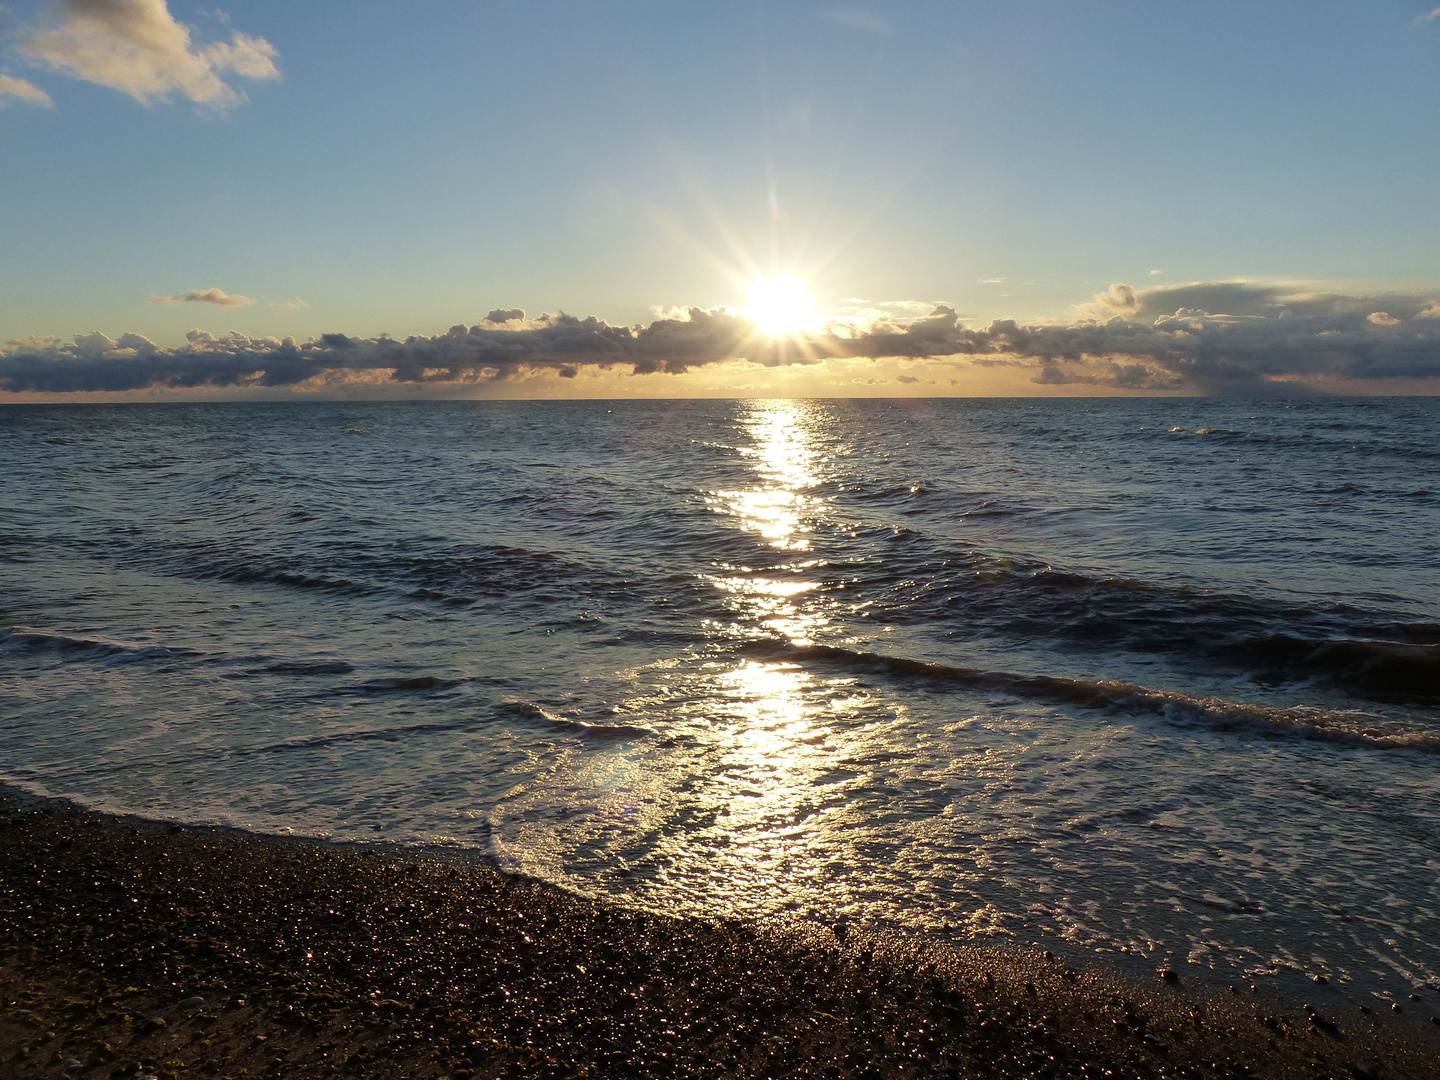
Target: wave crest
(1347, 728)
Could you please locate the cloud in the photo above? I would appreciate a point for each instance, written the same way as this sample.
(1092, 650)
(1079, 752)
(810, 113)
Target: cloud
(1232, 337)
(137, 47)
(866, 22)
(13, 90)
(218, 297)
(287, 305)
(1431, 17)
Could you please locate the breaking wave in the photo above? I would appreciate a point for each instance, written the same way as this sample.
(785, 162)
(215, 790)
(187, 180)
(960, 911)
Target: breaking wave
(1346, 727)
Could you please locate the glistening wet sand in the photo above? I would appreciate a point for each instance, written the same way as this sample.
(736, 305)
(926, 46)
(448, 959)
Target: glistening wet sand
(136, 948)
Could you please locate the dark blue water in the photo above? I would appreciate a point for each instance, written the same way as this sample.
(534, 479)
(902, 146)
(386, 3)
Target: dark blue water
(1158, 679)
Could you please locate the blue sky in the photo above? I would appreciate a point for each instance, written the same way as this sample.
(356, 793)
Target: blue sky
(417, 165)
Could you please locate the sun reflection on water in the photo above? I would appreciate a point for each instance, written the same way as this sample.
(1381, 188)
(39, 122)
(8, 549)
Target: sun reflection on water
(743, 810)
(774, 720)
(781, 508)
(787, 465)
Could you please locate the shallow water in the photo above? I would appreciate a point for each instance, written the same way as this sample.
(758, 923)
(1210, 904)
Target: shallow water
(1155, 678)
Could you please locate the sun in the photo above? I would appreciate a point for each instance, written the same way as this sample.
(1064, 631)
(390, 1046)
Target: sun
(780, 306)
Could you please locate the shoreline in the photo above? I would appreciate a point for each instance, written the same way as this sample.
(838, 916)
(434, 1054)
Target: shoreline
(141, 948)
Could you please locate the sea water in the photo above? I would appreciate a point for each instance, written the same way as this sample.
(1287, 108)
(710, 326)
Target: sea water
(1154, 679)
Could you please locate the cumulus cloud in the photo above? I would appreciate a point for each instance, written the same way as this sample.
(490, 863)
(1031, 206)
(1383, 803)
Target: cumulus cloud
(1231, 337)
(13, 90)
(1208, 337)
(218, 297)
(138, 48)
(501, 316)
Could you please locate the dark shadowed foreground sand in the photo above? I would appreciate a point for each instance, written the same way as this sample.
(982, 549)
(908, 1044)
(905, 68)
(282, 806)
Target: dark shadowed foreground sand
(135, 949)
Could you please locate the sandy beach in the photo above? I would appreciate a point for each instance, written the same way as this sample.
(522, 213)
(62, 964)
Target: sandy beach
(135, 948)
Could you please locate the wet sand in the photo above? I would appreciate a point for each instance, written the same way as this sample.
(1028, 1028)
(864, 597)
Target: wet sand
(133, 948)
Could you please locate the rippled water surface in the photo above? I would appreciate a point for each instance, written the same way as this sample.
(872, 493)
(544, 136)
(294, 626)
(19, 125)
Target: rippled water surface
(1153, 678)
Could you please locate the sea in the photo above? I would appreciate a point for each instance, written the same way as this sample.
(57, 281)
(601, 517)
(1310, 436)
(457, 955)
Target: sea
(1150, 682)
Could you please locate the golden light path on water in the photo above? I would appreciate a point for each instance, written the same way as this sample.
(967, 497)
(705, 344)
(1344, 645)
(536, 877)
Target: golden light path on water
(737, 811)
(778, 719)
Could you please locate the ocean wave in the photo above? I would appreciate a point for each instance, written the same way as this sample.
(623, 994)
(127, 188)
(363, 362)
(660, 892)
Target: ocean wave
(1391, 668)
(1344, 727)
(295, 579)
(26, 640)
(1367, 653)
(1348, 438)
(527, 710)
(308, 667)
(320, 741)
(402, 684)
(453, 575)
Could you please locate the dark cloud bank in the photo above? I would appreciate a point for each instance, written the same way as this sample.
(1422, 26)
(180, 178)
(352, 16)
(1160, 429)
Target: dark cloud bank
(1225, 338)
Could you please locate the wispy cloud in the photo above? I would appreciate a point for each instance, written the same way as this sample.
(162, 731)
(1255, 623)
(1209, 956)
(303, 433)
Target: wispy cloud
(218, 297)
(1239, 338)
(865, 22)
(289, 305)
(13, 90)
(138, 48)
(1431, 17)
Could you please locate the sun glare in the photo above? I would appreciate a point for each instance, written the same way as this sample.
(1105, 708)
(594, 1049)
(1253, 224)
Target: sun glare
(780, 306)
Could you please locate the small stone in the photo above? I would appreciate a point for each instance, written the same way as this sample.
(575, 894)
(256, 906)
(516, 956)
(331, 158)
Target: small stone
(1321, 979)
(1170, 975)
(153, 1024)
(192, 1003)
(1329, 1027)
